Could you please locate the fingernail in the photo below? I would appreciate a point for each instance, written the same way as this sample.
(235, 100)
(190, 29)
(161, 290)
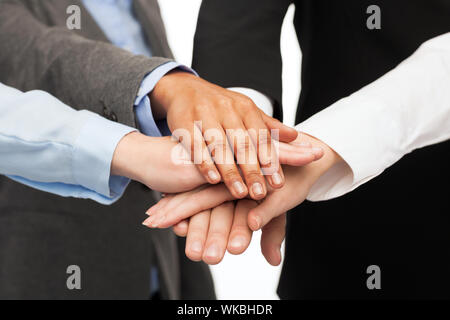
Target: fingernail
(257, 222)
(213, 175)
(238, 242)
(257, 189)
(196, 247)
(276, 178)
(158, 221)
(147, 222)
(212, 251)
(239, 187)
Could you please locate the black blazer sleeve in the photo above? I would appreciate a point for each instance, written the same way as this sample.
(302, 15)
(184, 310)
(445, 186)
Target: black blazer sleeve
(237, 44)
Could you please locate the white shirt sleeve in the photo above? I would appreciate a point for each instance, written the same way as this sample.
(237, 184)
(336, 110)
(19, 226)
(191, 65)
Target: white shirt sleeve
(406, 109)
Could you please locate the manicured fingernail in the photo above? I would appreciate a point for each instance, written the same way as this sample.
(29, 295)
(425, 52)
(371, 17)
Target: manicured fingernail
(238, 242)
(276, 178)
(147, 222)
(257, 189)
(239, 187)
(196, 247)
(158, 221)
(212, 251)
(213, 175)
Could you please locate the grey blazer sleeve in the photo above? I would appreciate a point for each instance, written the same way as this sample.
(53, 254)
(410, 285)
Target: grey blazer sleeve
(82, 73)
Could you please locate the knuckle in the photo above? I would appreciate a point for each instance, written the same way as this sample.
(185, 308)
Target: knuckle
(201, 107)
(205, 165)
(241, 230)
(230, 174)
(225, 101)
(197, 231)
(246, 103)
(218, 234)
(253, 174)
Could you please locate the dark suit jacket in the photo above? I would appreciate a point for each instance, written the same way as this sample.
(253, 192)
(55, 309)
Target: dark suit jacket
(42, 234)
(400, 220)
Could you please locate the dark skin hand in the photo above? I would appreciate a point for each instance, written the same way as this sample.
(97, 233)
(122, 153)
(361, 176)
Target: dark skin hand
(201, 115)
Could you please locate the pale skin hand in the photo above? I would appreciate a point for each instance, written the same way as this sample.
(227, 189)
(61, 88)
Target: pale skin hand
(214, 231)
(150, 161)
(184, 99)
(269, 215)
(174, 208)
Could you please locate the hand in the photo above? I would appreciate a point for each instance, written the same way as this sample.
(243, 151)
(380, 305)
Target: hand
(154, 162)
(211, 233)
(268, 216)
(299, 181)
(187, 99)
(164, 165)
(174, 208)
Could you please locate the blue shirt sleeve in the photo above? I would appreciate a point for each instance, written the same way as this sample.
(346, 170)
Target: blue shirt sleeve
(71, 150)
(143, 110)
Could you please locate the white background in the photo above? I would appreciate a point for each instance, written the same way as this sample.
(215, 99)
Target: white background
(247, 276)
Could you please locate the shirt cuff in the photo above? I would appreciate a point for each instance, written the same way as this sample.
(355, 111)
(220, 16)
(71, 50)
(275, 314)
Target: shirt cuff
(143, 109)
(356, 137)
(92, 156)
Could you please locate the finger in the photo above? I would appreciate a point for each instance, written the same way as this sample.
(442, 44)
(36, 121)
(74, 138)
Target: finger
(246, 157)
(222, 154)
(267, 151)
(270, 208)
(153, 220)
(191, 138)
(240, 235)
(186, 205)
(298, 155)
(286, 133)
(302, 141)
(160, 204)
(272, 237)
(181, 228)
(196, 235)
(218, 233)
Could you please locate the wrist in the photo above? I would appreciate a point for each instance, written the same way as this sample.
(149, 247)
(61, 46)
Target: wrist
(126, 155)
(317, 168)
(165, 90)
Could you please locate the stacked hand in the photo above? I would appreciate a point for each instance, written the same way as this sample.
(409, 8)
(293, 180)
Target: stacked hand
(213, 223)
(228, 168)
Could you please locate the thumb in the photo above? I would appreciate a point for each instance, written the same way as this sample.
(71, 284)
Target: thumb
(267, 210)
(271, 239)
